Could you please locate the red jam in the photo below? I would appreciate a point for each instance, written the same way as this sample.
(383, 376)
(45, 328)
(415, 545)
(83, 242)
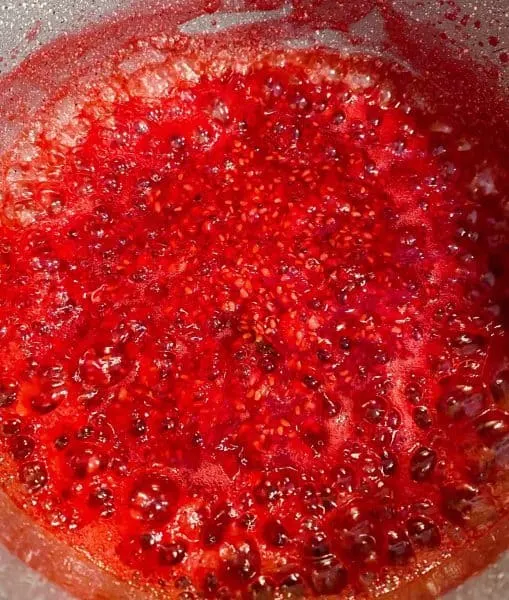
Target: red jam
(253, 323)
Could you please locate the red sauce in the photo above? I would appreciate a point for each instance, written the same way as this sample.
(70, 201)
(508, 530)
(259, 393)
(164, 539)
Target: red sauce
(254, 322)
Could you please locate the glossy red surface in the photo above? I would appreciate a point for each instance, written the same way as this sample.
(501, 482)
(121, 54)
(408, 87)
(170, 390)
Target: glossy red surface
(255, 322)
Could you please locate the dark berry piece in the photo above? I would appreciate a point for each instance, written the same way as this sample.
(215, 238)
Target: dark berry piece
(275, 534)
(422, 418)
(459, 501)
(311, 382)
(389, 462)
(323, 355)
(423, 532)
(399, 547)
(243, 562)
(262, 589)
(172, 554)
(61, 442)
(22, 447)
(329, 578)
(422, 464)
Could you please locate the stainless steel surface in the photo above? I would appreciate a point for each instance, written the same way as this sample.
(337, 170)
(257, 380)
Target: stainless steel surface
(17, 581)
(492, 583)
(27, 25)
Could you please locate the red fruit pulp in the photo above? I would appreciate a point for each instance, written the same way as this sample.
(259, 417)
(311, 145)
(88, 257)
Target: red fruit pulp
(254, 322)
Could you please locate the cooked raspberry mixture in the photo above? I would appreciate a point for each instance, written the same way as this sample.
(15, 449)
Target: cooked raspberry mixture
(253, 322)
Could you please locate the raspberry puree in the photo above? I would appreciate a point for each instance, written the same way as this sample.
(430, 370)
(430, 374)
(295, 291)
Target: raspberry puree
(253, 322)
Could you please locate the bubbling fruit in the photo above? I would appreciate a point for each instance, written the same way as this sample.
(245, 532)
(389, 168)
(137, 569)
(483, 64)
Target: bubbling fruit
(153, 498)
(256, 321)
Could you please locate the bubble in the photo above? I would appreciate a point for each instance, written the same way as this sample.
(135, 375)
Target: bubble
(86, 460)
(220, 111)
(33, 475)
(11, 426)
(153, 497)
(49, 399)
(100, 497)
(103, 365)
(150, 83)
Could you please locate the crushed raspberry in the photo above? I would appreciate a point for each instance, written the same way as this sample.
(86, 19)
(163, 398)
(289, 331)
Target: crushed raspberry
(253, 322)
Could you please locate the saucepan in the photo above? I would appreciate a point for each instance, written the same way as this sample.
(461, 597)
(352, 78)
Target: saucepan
(439, 37)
